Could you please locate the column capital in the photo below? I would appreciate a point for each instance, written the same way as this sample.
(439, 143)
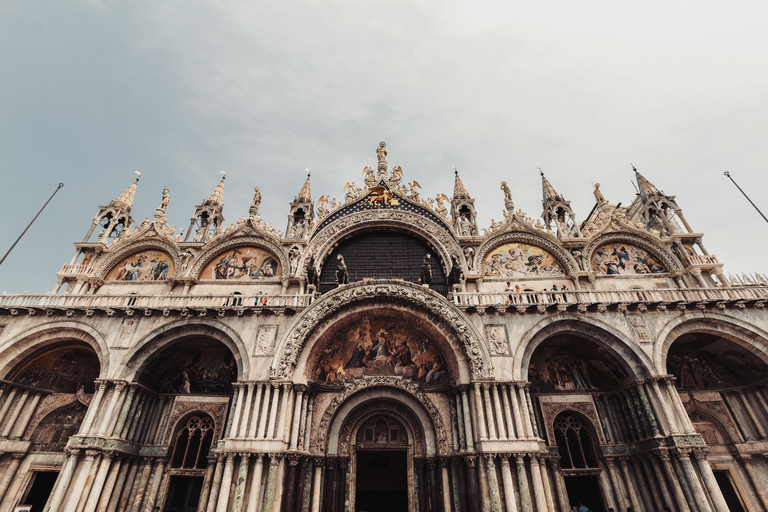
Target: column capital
(274, 458)
(300, 388)
(489, 458)
(519, 458)
(293, 459)
(699, 453)
(683, 453)
(287, 385)
(91, 454)
(317, 461)
(470, 460)
(244, 456)
(72, 452)
(120, 385)
(444, 462)
(18, 456)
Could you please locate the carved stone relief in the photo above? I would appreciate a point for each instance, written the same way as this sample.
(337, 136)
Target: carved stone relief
(498, 341)
(265, 340)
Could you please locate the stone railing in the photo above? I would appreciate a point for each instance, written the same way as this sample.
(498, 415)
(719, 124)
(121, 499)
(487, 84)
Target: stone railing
(86, 270)
(589, 297)
(154, 301)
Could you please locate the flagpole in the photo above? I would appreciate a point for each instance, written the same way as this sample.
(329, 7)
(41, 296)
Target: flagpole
(728, 174)
(30, 224)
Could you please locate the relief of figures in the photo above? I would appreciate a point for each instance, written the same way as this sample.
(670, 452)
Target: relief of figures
(521, 260)
(63, 370)
(191, 366)
(375, 346)
(143, 266)
(561, 368)
(241, 264)
(623, 259)
(707, 361)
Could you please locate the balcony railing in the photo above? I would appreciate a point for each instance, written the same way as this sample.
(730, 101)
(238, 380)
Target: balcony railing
(154, 301)
(700, 259)
(85, 270)
(649, 296)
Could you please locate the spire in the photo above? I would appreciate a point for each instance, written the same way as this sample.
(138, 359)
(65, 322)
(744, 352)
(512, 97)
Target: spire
(459, 192)
(217, 196)
(548, 191)
(647, 189)
(305, 196)
(125, 200)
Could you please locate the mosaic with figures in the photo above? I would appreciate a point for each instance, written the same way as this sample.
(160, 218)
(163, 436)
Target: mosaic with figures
(242, 263)
(380, 346)
(620, 259)
(521, 260)
(143, 266)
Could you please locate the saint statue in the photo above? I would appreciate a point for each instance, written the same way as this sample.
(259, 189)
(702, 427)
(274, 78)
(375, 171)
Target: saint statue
(381, 152)
(342, 276)
(507, 192)
(426, 270)
(599, 197)
(165, 201)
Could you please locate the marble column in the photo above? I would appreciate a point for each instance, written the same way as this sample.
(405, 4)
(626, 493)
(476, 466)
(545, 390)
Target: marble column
(547, 486)
(705, 470)
(290, 497)
(682, 503)
(605, 422)
(109, 485)
(213, 496)
(154, 484)
(143, 480)
(317, 481)
(507, 411)
(493, 482)
(226, 483)
(531, 409)
(696, 488)
(127, 405)
(557, 476)
(524, 410)
(243, 430)
(98, 483)
(241, 482)
(746, 461)
(79, 484)
(308, 423)
(126, 467)
(296, 423)
(302, 484)
(254, 493)
(623, 463)
(261, 433)
(202, 503)
(284, 408)
(655, 470)
(101, 387)
(10, 472)
(649, 411)
(474, 489)
(8, 401)
(273, 413)
(677, 403)
(480, 414)
(269, 490)
(751, 413)
(461, 436)
(233, 424)
(470, 439)
(516, 412)
(11, 421)
(256, 407)
(62, 482)
(618, 486)
(502, 431)
(522, 483)
(485, 490)
(538, 485)
(509, 486)
(489, 414)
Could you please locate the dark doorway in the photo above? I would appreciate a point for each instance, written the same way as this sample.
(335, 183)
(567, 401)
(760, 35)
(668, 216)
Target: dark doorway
(184, 493)
(382, 481)
(732, 498)
(40, 490)
(587, 489)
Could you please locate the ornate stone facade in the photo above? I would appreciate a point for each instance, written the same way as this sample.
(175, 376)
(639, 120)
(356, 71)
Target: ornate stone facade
(608, 361)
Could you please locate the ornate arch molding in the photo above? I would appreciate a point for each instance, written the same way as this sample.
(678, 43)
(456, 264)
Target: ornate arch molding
(134, 248)
(290, 346)
(362, 391)
(635, 361)
(666, 257)
(205, 258)
(747, 336)
(435, 234)
(388, 407)
(561, 255)
(157, 340)
(716, 412)
(21, 346)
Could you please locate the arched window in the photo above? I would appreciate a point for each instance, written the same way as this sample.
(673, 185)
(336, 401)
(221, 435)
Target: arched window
(575, 442)
(192, 442)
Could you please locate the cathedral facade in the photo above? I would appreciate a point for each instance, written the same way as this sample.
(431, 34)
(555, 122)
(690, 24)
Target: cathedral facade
(387, 353)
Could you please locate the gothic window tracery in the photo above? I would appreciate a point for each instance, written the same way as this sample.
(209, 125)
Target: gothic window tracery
(192, 443)
(575, 442)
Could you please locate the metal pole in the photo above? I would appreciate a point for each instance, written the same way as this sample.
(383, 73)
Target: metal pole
(30, 224)
(745, 195)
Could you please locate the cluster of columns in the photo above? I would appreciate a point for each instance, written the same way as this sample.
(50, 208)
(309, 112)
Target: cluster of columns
(749, 407)
(504, 411)
(627, 414)
(17, 405)
(243, 482)
(106, 481)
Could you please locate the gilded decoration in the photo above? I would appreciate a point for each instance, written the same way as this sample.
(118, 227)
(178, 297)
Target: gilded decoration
(543, 242)
(520, 260)
(150, 265)
(241, 264)
(380, 346)
(330, 302)
(659, 255)
(625, 259)
(410, 387)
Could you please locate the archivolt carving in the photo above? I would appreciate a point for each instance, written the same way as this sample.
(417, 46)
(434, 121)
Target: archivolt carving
(665, 256)
(133, 248)
(214, 251)
(47, 405)
(719, 412)
(382, 381)
(385, 406)
(438, 235)
(561, 255)
(301, 328)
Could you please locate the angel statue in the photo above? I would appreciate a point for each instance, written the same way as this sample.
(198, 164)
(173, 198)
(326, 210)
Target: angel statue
(370, 178)
(397, 176)
(322, 206)
(441, 210)
(350, 192)
(413, 193)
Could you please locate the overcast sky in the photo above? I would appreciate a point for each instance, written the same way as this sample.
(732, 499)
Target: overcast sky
(93, 90)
